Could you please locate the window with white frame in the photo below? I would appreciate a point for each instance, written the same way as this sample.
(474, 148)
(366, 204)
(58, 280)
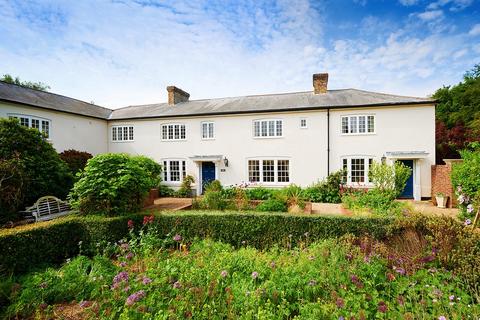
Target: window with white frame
(173, 131)
(356, 169)
(122, 133)
(267, 128)
(174, 170)
(208, 130)
(269, 170)
(358, 124)
(303, 123)
(41, 124)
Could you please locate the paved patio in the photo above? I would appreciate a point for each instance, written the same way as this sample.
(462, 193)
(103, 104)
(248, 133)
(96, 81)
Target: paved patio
(173, 204)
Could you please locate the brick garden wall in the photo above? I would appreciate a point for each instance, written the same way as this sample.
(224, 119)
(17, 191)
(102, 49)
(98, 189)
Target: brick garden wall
(441, 182)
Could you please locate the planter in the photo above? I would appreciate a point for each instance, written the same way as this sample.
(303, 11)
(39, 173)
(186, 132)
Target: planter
(441, 201)
(297, 209)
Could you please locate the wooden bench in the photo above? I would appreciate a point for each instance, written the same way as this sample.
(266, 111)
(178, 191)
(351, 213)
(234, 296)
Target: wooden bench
(47, 208)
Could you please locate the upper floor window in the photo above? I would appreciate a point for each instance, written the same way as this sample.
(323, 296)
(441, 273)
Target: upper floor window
(269, 170)
(208, 130)
(267, 128)
(41, 124)
(358, 124)
(303, 123)
(356, 169)
(174, 170)
(122, 133)
(174, 131)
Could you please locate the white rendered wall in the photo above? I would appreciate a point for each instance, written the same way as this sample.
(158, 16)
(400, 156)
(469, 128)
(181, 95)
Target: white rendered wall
(67, 131)
(408, 128)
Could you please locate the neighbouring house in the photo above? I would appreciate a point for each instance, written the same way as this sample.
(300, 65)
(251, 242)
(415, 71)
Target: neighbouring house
(271, 140)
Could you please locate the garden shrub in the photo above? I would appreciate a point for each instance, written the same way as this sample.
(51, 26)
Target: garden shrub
(114, 184)
(165, 191)
(327, 191)
(214, 197)
(186, 187)
(75, 160)
(465, 179)
(272, 205)
(260, 193)
(31, 166)
(389, 178)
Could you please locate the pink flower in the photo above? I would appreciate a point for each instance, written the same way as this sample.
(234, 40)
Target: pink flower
(254, 275)
(442, 318)
(146, 280)
(340, 303)
(137, 296)
(382, 307)
(224, 274)
(130, 224)
(177, 285)
(177, 238)
(85, 304)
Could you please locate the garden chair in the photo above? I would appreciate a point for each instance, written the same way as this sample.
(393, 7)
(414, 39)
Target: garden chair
(47, 208)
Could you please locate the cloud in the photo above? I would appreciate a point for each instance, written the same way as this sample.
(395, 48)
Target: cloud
(127, 52)
(455, 5)
(475, 31)
(430, 15)
(408, 2)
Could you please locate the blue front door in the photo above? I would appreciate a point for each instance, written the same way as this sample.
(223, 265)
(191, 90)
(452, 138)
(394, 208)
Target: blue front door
(208, 173)
(408, 191)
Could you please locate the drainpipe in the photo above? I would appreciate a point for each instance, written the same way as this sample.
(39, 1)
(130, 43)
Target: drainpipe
(328, 141)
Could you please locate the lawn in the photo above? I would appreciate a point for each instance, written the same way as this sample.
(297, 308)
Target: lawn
(150, 275)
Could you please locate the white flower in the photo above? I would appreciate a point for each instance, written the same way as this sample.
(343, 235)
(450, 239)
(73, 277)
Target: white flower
(470, 208)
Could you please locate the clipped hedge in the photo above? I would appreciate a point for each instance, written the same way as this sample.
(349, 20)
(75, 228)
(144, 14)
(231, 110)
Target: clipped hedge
(37, 245)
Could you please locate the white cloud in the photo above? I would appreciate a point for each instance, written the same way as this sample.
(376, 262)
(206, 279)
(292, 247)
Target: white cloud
(475, 31)
(455, 5)
(408, 2)
(430, 15)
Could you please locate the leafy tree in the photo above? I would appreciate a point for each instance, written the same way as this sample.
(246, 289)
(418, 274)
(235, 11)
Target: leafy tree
(458, 115)
(76, 160)
(27, 84)
(29, 168)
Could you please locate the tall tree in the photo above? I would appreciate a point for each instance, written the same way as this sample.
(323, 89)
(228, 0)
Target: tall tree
(27, 84)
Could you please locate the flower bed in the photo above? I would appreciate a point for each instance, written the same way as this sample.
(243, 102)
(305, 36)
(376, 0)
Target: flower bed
(152, 276)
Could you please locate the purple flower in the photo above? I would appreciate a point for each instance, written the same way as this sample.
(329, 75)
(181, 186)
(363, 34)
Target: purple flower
(135, 297)
(177, 285)
(442, 318)
(468, 222)
(146, 280)
(224, 273)
(427, 259)
(120, 277)
(85, 304)
(470, 208)
(401, 300)
(382, 307)
(123, 264)
(126, 289)
(451, 298)
(341, 318)
(254, 275)
(177, 238)
(129, 256)
(349, 256)
(399, 270)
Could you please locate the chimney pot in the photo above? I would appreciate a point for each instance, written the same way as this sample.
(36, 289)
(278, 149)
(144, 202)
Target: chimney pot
(320, 83)
(176, 95)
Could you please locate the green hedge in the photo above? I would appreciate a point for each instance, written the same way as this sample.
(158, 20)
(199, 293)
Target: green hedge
(34, 246)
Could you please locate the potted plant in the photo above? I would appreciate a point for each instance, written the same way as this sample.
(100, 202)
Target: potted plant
(441, 199)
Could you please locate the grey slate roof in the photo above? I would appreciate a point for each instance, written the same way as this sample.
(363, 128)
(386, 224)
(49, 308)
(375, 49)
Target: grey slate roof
(296, 101)
(52, 101)
(267, 103)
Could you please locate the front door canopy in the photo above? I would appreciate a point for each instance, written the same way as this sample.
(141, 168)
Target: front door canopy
(207, 158)
(406, 154)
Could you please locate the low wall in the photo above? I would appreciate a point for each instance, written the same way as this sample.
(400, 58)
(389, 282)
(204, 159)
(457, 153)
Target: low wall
(441, 182)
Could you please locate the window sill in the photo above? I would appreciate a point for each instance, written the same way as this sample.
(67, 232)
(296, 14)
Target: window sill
(208, 139)
(173, 140)
(123, 141)
(277, 137)
(359, 134)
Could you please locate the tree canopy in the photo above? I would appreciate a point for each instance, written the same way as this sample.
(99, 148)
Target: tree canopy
(27, 84)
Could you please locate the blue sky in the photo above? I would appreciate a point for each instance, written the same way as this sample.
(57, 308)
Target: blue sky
(121, 52)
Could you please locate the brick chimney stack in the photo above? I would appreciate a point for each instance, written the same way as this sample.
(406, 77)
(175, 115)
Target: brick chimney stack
(176, 95)
(320, 83)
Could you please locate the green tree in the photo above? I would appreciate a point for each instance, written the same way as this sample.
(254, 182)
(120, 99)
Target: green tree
(27, 84)
(29, 168)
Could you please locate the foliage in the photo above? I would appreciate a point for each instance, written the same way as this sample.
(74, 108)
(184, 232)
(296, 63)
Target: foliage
(327, 191)
(186, 187)
(214, 197)
(458, 115)
(75, 160)
(114, 184)
(206, 279)
(34, 162)
(376, 201)
(260, 193)
(272, 205)
(165, 191)
(465, 179)
(27, 84)
(35, 245)
(389, 178)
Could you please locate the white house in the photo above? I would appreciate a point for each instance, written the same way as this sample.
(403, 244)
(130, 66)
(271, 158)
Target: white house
(271, 140)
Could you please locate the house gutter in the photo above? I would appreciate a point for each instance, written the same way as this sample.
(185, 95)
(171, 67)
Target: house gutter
(328, 141)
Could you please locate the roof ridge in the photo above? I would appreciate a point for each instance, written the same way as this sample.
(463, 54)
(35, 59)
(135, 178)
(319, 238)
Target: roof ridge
(53, 93)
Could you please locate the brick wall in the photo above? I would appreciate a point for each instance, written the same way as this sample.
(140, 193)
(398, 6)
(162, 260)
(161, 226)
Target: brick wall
(441, 182)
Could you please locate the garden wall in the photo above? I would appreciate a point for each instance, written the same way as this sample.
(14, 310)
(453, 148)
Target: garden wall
(441, 182)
